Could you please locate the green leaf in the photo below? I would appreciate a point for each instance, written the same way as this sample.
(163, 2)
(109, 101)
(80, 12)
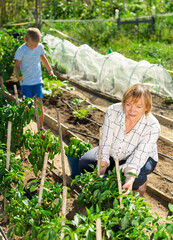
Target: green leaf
(9, 232)
(170, 206)
(115, 203)
(125, 222)
(169, 229)
(148, 220)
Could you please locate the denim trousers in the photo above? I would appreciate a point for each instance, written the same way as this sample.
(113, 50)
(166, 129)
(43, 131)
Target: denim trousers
(89, 159)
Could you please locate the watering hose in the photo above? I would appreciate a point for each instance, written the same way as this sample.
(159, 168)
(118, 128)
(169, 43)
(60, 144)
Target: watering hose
(165, 156)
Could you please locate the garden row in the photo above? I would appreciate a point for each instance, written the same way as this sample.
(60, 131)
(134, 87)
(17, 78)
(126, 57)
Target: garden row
(29, 219)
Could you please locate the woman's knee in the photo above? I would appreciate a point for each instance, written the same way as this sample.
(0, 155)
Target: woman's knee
(149, 166)
(89, 158)
(139, 181)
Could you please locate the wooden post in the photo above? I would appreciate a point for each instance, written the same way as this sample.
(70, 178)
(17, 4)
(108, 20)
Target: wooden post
(43, 178)
(118, 24)
(8, 161)
(36, 113)
(98, 229)
(16, 94)
(62, 149)
(152, 23)
(118, 179)
(99, 155)
(36, 13)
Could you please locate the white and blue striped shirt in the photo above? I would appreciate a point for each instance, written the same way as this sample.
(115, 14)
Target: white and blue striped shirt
(30, 64)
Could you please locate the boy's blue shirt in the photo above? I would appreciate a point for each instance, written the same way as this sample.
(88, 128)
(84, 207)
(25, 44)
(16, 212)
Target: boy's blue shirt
(30, 64)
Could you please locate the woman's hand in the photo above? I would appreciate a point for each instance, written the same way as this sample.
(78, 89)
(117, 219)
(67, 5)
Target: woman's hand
(103, 168)
(128, 184)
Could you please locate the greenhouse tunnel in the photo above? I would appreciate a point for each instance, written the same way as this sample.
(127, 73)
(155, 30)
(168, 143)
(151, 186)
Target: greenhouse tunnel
(111, 73)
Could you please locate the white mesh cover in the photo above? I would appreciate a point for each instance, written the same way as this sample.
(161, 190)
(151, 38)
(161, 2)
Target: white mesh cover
(112, 73)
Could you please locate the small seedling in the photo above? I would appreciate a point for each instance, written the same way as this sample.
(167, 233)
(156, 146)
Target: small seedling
(79, 113)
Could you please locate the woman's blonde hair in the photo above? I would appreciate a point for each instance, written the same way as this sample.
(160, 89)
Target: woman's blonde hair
(136, 91)
(33, 34)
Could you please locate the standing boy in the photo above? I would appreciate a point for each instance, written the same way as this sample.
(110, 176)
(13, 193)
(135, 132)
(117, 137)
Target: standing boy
(28, 59)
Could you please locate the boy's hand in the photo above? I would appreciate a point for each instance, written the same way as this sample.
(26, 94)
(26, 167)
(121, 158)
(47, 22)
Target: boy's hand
(51, 73)
(20, 76)
(20, 79)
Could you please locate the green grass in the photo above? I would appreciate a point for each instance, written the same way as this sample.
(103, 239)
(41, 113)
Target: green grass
(154, 47)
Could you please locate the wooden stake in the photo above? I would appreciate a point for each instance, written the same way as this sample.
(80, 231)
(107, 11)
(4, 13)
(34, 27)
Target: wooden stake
(99, 155)
(43, 178)
(7, 162)
(8, 146)
(64, 200)
(98, 229)
(118, 179)
(16, 94)
(64, 204)
(62, 149)
(2, 88)
(36, 113)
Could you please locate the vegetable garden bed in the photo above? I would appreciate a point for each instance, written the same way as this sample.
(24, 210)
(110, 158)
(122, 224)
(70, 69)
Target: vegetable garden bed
(77, 122)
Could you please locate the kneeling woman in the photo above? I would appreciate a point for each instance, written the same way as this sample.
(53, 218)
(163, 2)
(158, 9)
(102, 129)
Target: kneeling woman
(130, 133)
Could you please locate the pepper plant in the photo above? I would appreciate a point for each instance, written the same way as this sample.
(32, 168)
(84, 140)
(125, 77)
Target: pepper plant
(8, 46)
(52, 85)
(76, 148)
(38, 144)
(98, 190)
(19, 116)
(11, 178)
(26, 216)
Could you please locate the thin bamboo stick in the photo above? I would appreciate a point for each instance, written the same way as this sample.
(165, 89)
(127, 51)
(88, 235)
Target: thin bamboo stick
(98, 229)
(36, 113)
(43, 178)
(64, 204)
(8, 161)
(64, 176)
(62, 149)
(16, 94)
(100, 149)
(118, 179)
(1, 84)
(8, 145)
(22, 154)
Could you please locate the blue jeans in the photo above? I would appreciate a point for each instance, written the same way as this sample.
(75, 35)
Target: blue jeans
(89, 158)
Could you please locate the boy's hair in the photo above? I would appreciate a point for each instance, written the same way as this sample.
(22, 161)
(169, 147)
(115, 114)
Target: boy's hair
(33, 34)
(136, 91)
